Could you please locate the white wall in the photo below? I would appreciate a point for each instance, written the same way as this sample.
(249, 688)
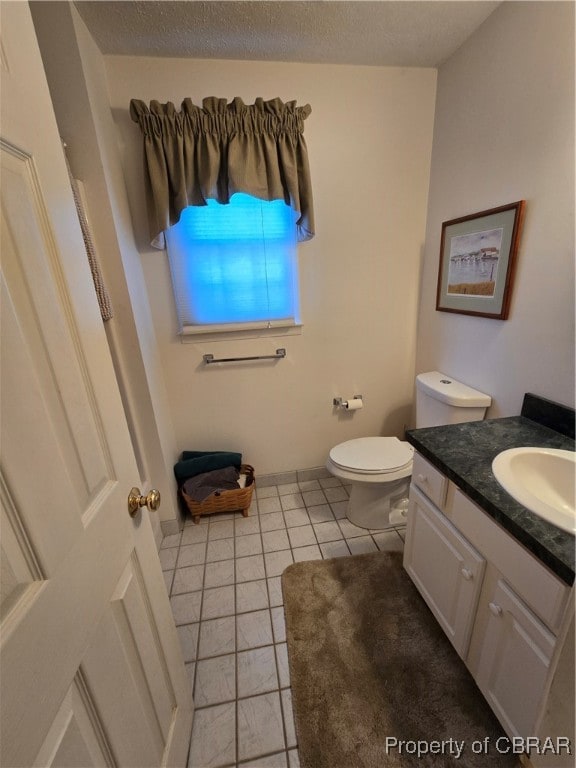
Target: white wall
(504, 131)
(369, 139)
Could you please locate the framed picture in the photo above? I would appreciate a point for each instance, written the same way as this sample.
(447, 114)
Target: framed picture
(478, 260)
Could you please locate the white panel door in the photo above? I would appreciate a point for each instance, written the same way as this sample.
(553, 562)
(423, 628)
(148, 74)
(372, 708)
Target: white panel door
(91, 668)
(514, 663)
(445, 568)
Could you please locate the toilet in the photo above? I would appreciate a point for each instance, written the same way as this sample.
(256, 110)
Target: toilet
(379, 468)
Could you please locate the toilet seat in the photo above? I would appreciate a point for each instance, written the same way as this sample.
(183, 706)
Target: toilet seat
(372, 455)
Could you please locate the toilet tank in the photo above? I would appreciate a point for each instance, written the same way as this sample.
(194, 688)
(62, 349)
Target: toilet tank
(441, 400)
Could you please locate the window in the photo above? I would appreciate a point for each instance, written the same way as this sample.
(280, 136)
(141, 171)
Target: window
(234, 266)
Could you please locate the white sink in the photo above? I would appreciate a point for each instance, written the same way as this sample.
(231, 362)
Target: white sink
(542, 479)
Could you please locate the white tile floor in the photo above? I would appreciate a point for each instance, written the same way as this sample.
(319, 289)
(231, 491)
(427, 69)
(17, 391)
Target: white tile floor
(223, 577)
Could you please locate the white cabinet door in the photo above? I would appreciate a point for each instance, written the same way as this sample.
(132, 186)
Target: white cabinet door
(514, 661)
(446, 569)
(91, 669)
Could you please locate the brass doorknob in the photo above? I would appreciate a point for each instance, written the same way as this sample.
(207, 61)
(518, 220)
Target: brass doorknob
(137, 500)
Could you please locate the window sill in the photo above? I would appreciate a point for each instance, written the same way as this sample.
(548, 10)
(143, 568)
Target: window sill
(254, 331)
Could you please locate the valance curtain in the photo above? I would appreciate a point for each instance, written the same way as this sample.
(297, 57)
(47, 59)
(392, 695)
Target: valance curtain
(214, 151)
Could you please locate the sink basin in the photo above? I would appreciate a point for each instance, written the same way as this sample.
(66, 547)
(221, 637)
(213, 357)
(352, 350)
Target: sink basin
(541, 479)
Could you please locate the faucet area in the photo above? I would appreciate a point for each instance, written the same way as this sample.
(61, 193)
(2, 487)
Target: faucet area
(392, 583)
(542, 480)
(465, 454)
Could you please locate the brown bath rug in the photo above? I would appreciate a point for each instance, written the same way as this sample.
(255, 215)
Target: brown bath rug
(375, 682)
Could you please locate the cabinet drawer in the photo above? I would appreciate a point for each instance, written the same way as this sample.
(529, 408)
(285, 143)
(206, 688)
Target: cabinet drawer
(429, 480)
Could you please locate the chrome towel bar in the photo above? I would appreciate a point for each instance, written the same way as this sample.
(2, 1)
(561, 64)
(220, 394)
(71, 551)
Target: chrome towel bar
(208, 359)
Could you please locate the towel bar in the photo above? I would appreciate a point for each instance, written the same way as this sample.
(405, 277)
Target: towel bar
(208, 359)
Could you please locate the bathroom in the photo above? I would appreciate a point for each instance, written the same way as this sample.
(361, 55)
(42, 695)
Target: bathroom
(400, 137)
(418, 146)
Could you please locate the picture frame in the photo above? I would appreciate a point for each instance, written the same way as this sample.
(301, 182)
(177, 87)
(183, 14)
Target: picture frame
(478, 256)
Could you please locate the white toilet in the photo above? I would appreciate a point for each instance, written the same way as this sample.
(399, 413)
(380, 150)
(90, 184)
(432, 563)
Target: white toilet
(379, 468)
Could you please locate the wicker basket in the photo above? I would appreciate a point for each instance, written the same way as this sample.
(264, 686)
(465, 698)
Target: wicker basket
(224, 501)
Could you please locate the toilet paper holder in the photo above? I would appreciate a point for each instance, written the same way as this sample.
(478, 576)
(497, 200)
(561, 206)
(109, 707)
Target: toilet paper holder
(338, 402)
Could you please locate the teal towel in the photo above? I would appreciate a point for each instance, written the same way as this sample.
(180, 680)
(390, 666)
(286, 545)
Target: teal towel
(194, 463)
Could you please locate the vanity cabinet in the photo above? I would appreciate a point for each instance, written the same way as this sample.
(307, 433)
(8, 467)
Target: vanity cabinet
(501, 608)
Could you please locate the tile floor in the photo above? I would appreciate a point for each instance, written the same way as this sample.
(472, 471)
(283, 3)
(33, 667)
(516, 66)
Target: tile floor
(223, 578)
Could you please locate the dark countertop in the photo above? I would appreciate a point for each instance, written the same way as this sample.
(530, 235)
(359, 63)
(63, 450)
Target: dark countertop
(464, 453)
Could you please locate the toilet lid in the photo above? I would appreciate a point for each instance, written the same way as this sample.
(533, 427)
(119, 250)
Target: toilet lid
(372, 454)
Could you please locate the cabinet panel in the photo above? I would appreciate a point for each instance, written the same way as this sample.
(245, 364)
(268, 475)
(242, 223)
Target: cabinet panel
(542, 591)
(444, 567)
(514, 661)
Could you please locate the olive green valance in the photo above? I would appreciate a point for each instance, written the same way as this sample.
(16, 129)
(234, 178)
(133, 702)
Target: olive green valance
(214, 151)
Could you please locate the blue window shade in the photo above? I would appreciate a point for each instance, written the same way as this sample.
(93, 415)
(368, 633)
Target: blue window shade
(234, 265)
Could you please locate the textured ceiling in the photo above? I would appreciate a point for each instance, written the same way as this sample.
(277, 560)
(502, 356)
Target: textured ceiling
(384, 33)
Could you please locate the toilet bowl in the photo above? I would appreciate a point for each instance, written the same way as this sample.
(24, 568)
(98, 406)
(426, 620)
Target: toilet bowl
(379, 470)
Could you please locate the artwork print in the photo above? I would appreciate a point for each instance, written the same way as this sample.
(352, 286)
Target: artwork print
(478, 256)
(474, 259)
